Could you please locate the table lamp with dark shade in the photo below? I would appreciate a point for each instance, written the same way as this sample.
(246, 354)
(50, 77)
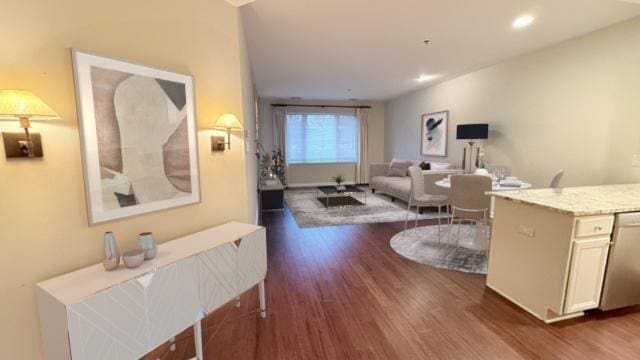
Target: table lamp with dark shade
(472, 132)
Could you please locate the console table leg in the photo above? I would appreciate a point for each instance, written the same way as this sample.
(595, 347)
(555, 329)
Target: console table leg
(197, 332)
(263, 305)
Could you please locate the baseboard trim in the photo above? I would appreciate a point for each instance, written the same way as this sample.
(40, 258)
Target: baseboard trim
(516, 303)
(543, 319)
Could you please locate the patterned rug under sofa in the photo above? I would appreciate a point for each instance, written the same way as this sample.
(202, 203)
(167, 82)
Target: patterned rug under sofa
(310, 212)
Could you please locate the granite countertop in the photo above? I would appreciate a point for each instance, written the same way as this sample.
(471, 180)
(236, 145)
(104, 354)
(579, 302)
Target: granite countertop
(580, 201)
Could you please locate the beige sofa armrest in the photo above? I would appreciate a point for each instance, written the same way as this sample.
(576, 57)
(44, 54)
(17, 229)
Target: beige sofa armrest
(379, 169)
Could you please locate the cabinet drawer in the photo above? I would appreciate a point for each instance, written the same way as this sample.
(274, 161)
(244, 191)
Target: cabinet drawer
(594, 226)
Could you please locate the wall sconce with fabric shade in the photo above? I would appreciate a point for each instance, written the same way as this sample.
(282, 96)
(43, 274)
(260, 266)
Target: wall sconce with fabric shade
(23, 106)
(228, 122)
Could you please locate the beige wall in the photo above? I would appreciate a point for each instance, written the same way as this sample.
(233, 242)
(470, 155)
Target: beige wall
(249, 123)
(43, 226)
(574, 106)
(320, 174)
(301, 174)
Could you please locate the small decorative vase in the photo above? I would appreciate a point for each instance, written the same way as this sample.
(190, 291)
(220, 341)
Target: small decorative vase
(340, 187)
(111, 254)
(147, 243)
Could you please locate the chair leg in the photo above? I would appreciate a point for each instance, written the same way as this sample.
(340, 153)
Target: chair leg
(450, 222)
(439, 223)
(415, 223)
(406, 221)
(458, 239)
(487, 235)
(475, 224)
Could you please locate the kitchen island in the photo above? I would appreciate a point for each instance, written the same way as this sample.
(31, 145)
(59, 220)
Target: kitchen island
(549, 247)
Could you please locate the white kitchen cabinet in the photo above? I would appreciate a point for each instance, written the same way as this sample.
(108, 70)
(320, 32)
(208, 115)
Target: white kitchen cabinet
(124, 314)
(588, 265)
(550, 262)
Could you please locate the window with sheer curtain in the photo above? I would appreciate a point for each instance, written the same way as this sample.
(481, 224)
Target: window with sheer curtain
(321, 138)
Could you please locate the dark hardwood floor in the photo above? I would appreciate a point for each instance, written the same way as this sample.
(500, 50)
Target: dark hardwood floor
(342, 293)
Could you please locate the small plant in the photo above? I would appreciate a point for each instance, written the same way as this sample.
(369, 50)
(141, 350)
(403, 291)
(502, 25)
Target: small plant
(339, 179)
(277, 165)
(265, 166)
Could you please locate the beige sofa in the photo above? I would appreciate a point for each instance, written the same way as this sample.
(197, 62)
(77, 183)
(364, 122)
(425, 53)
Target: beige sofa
(400, 187)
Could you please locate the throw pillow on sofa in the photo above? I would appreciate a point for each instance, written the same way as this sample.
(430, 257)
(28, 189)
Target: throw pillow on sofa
(441, 166)
(398, 168)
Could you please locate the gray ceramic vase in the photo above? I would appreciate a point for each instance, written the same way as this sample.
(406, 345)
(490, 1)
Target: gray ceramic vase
(147, 243)
(111, 254)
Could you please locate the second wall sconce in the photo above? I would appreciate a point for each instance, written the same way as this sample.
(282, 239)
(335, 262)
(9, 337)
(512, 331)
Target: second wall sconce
(228, 122)
(23, 106)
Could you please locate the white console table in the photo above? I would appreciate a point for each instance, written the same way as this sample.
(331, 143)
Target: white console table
(126, 313)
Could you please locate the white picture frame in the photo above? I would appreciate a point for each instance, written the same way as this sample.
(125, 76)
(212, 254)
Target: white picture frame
(434, 132)
(149, 141)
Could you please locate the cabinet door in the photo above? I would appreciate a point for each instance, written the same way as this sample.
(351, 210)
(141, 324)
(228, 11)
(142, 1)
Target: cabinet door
(218, 274)
(586, 274)
(130, 319)
(252, 259)
(172, 301)
(111, 324)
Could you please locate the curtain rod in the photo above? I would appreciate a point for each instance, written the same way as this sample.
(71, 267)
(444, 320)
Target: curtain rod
(325, 106)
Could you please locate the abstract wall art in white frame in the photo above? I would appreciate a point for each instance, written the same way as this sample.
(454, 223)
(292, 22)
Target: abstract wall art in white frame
(434, 134)
(138, 132)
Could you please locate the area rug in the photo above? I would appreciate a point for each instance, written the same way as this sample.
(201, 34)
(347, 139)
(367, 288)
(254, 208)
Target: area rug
(310, 212)
(421, 245)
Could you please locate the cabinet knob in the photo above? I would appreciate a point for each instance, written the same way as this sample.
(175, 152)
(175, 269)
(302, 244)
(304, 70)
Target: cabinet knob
(598, 228)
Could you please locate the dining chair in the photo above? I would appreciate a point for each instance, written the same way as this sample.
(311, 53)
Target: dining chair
(555, 181)
(469, 202)
(419, 198)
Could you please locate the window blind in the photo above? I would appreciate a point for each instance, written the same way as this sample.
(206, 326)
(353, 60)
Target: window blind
(321, 138)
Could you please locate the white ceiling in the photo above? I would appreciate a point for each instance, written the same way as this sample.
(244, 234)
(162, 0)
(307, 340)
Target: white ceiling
(318, 49)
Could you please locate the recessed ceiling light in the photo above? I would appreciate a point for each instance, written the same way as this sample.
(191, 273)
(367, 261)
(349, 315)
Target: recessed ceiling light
(424, 78)
(523, 21)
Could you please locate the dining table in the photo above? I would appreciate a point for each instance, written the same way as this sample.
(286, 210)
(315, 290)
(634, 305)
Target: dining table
(496, 186)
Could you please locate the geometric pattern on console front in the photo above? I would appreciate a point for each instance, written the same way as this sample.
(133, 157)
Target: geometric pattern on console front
(127, 320)
(218, 272)
(252, 260)
(109, 325)
(172, 301)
